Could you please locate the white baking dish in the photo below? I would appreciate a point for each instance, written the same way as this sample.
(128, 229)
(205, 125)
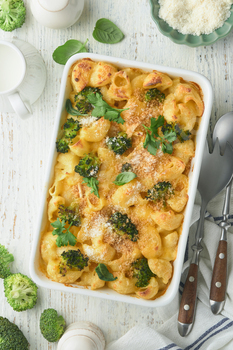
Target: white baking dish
(107, 293)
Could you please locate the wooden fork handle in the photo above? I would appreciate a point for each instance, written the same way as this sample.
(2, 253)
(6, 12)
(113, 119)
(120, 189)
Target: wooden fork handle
(219, 277)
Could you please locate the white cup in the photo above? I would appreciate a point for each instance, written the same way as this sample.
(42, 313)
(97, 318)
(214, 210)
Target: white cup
(12, 74)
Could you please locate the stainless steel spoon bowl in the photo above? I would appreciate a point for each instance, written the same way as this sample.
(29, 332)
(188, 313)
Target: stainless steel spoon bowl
(223, 131)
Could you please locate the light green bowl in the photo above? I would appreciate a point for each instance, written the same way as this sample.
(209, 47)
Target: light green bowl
(190, 40)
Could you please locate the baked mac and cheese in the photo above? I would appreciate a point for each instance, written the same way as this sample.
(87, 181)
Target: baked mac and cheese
(117, 200)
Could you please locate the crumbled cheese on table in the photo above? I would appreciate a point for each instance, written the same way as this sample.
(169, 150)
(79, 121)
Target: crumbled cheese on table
(195, 17)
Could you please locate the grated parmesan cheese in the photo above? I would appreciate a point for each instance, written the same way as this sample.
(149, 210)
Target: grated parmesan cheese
(87, 121)
(195, 17)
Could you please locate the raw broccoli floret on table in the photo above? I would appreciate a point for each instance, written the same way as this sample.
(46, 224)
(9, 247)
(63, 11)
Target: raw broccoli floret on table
(142, 272)
(20, 291)
(11, 337)
(72, 259)
(12, 14)
(122, 225)
(5, 259)
(52, 326)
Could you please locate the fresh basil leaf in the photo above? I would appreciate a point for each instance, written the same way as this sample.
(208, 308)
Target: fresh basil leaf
(62, 53)
(107, 32)
(104, 274)
(92, 182)
(124, 178)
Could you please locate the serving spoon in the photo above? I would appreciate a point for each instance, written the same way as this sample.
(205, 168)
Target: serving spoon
(224, 132)
(212, 180)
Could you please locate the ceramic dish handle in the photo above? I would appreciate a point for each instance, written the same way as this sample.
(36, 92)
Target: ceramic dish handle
(188, 302)
(20, 108)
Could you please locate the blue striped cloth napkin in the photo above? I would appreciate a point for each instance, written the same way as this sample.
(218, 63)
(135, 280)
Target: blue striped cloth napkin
(210, 332)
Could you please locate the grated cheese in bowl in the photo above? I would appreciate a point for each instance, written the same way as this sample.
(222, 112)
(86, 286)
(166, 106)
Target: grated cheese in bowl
(195, 16)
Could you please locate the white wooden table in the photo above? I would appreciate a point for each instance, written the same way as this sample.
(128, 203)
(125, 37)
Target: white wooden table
(24, 149)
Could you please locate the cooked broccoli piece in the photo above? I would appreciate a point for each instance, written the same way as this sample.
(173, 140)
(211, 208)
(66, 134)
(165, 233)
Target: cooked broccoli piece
(72, 259)
(20, 291)
(119, 144)
(126, 167)
(5, 259)
(12, 14)
(154, 94)
(142, 272)
(11, 337)
(81, 101)
(62, 145)
(71, 127)
(88, 166)
(70, 214)
(160, 192)
(182, 135)
(122, 225)
(52, 326)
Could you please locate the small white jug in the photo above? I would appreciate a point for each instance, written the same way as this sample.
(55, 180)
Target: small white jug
(82, 335)
(57, 14)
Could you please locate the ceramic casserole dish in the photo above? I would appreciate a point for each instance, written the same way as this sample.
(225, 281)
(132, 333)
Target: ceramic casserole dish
(35, 271)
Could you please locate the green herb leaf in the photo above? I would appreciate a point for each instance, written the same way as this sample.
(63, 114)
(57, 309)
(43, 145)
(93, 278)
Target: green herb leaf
(71, 110)
(70, 48)
(124, 178)
(107, 32)
(153, 140)
(102, 109)
(104, 274)
(64, 236)
(92, 182)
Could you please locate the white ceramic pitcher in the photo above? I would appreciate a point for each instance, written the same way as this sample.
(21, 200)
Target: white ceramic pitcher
(57, 14)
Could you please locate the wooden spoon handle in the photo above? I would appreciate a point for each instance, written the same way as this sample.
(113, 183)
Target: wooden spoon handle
(218, 283)
(188, 300)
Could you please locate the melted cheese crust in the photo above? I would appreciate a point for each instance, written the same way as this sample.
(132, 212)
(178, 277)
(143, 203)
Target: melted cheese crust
(159, 227)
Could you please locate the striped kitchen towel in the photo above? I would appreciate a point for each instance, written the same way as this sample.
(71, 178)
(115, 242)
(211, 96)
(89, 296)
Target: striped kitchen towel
(210, 332)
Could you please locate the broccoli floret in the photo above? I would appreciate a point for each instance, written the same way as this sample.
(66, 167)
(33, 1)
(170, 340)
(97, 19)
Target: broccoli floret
(71, 127)
(142, 272)
(126, 167)
(70, 215)
(154, 94)
(160, 192)
(11, 337)
(72, 259)
(62, 145)
(88, 166)
(20, 291)
(182, 135)
(119, 144)
(52, 326)
(122, 225)
(81, 102)
(5, 259)
(12, 14)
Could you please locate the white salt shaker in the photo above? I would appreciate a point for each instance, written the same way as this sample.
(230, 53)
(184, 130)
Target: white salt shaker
(57, 14)
(82, 335)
